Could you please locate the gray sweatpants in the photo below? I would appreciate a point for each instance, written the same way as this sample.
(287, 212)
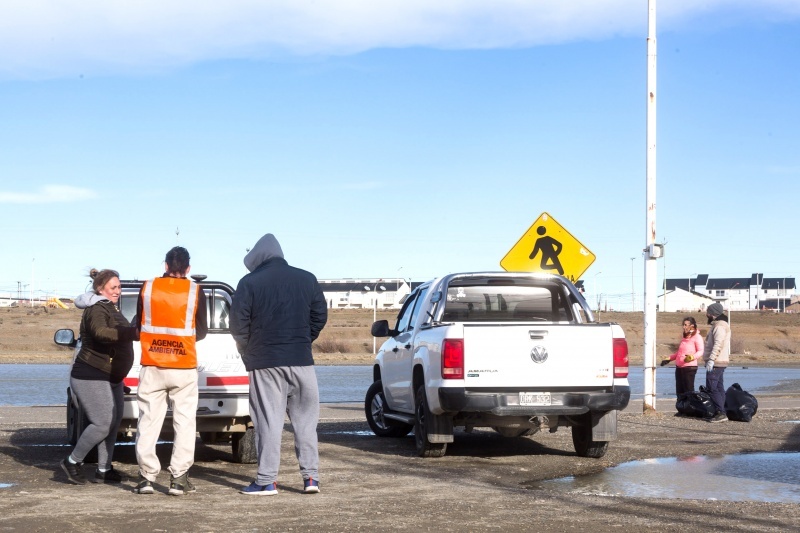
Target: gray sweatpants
(274, 392)
(103, 403)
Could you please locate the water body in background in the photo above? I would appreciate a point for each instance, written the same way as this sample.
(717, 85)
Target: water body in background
(25, 385)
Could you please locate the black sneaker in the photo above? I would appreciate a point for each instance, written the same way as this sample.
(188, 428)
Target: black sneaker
(719, 417)
(179, 486)
(144, 486)
(74, 472)
(109, 476)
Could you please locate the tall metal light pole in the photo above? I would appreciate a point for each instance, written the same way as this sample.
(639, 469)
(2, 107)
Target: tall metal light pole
(375, 310)
(633, 288)
(597, 294)
(650, 256)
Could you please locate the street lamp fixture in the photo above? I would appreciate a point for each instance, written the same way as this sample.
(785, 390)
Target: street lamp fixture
(375, 289)
(597, 294)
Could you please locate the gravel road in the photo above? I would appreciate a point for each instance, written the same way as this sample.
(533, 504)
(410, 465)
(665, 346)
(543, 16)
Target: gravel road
(485, 482)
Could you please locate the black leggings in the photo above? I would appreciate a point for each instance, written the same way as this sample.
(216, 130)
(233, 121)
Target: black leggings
(684, 379)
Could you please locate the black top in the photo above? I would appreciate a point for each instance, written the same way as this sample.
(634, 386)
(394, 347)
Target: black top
(277, 311)
(106, 344)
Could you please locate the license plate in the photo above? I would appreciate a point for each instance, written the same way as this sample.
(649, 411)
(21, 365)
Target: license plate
(534, 398)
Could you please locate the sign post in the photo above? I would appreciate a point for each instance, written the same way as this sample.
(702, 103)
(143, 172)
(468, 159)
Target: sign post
(549, 248)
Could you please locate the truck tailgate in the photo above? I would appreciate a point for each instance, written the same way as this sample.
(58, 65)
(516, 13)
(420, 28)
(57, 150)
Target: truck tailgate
(538, 357)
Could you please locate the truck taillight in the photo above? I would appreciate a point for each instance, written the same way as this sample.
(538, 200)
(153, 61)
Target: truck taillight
(453, 359)
(620, 358)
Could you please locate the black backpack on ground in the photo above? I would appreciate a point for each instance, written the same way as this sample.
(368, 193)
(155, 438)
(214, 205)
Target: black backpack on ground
(696, 403)
(740, 405)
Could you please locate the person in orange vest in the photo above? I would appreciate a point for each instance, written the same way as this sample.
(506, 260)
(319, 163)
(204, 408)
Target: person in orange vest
(172, 318)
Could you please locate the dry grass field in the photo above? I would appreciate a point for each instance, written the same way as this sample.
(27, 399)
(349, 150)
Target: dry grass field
(759, 338)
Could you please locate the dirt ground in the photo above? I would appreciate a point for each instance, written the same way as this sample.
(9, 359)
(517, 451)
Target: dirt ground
(484, 483)
(758, 338)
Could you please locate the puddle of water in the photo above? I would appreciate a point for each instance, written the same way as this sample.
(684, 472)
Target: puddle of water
(5, 485)
(357, 433)
(130, 443)
(771, 477)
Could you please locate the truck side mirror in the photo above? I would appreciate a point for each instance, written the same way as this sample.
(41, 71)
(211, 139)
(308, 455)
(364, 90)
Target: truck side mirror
(381, 329)
(65, 337)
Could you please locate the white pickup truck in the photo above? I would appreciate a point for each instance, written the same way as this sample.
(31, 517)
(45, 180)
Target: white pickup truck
(223, 411)
(515, 352)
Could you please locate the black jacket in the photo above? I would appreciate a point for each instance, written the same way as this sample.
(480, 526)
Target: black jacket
(107, 340)
(277, 312)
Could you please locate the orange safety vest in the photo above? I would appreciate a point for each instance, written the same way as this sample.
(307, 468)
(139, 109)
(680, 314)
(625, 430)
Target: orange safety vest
(168, 330)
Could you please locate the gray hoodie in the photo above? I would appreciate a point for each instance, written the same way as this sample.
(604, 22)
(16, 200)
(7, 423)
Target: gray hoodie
(266, 248)
(88, 299)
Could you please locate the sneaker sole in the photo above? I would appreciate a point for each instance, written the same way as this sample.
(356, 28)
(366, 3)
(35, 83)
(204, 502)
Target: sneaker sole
(177, 492)
(147, 490)
(260, 493)
(69, 476)
(311, 490)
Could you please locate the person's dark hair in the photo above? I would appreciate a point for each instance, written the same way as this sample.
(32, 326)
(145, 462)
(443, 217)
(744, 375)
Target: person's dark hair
(693, 322)
(177, 260)
(101, 277)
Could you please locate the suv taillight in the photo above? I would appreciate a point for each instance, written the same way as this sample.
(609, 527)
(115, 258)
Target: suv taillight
(453, 359)
(620, 358)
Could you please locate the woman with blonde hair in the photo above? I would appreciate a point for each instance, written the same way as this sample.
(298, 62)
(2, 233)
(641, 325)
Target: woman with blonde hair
(103, 361)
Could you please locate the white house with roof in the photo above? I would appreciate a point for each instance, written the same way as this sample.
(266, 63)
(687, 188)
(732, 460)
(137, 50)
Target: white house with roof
(736, 294)
(352, 293)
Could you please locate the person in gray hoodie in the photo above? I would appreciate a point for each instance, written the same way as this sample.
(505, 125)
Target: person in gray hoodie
(716, 356)
(102, 362)
(277, 312)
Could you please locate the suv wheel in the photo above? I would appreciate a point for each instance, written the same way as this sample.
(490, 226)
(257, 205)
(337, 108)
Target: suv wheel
(375, 407)
(422, 424)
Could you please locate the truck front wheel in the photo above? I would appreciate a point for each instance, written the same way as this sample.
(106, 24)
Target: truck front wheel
(375, 407)
(584, 445)
(423, 423)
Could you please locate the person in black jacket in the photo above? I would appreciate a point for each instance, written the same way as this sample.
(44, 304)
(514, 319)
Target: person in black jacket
(277, 312)
(103, 361)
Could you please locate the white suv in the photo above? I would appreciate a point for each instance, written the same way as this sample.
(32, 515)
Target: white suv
(223, 410)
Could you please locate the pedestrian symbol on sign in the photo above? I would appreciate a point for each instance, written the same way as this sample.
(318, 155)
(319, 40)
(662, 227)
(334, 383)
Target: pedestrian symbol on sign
(549, 248)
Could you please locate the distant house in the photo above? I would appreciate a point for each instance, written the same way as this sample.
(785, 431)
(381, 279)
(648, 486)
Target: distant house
(679, 299)
(382, 293)
(736, 294)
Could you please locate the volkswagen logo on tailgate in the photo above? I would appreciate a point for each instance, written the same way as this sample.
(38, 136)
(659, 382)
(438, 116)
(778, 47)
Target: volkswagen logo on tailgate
(539, 354)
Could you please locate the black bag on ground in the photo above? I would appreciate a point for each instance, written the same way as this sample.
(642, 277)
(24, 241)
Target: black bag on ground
(740, 405)
(697, 404)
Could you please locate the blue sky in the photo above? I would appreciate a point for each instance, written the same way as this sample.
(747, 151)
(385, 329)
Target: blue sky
(400, 140)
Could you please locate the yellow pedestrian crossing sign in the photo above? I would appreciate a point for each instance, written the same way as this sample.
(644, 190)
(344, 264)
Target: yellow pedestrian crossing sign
(549, 248)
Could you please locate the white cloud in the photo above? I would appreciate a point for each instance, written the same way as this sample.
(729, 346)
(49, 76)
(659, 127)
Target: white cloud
(48, 194)
(45, 38)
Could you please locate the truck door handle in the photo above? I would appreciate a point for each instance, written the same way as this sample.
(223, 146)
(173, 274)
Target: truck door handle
(395, 349)
(537, 334)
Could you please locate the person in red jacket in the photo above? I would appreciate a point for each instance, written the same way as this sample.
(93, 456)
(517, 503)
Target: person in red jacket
(689, 351)
(172, 318)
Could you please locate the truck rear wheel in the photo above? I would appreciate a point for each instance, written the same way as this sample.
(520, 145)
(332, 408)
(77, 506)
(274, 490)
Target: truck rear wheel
(584, 445)
(76, 420)
(243, 447)
(422, 425)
